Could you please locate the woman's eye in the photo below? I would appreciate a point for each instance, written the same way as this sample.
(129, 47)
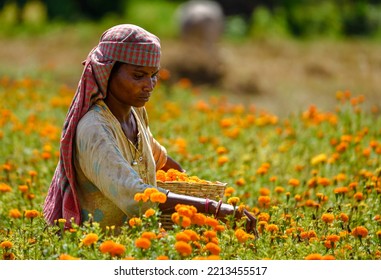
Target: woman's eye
(138, 76)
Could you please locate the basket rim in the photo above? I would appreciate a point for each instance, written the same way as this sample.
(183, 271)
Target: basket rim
(215, 183)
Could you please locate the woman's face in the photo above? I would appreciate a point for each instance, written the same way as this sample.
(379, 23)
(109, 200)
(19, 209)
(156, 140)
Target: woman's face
(132, 85)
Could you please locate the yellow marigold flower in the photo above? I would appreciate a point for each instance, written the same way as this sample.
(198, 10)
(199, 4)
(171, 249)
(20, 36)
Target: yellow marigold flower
(158, 197)
(213, 248)
(135, 222)
(5, 188)
(221, 150)
(31, 214)
(183, 248)
(6, 244)
(360, 231)
(233, 200)
(66, 257)
(314, 257)
(90, 239)
(181, 236)
(378, 233)
(62, 221)
(321, 158)
(149, 212)
(15, 213)
(327, 218)
(229, 191)
(273, 228)
(143, 243)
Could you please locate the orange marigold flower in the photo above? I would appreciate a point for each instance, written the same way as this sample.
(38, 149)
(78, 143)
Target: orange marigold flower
(6, 244)
(192, 234)
(198, 219)
(340, 190)
(31, 214)
(149, 235)
(23, 188)
(118, 250)
(135, 222)
(272, 228)
(264, 217)
(327, 218)
(358, 196)
(32, 173)
(143, 243)
(210, 234)
(344, 217)
(328, 257)
(222, 160)
(264, 200)
(183, 248)
(213, 248)
(240, 182)
(5, 188)
(158, 197)
(294, 182)
(181, 236)
(90, 239)
(141, 197)
(212, 222)
(242, 235)
(15, 213)
(149, 212)
(314, 257)
(229, 191)
(106, 246)
(360, 231)
(66, 257)
(149, 191)
(279, 189)
(322, 181)
(333, 238)
(162, 258)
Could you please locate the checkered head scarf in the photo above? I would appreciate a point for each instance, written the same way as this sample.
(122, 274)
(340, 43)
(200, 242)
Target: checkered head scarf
(124, 43)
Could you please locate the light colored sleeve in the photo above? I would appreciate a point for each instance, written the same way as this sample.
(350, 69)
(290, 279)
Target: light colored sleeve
(159, 152)
(103, 164)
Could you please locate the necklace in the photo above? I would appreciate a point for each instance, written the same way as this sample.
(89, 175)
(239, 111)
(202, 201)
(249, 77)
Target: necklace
(135, 145)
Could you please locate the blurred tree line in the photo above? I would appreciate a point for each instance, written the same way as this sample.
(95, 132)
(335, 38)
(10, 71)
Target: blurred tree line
(299, 18)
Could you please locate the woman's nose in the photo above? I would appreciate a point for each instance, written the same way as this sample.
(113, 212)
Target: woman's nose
(150, 84)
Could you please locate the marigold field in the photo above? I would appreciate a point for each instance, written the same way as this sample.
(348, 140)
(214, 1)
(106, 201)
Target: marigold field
(312, 179)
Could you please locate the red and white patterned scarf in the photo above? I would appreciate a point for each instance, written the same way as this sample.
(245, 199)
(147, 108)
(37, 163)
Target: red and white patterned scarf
(125, 43)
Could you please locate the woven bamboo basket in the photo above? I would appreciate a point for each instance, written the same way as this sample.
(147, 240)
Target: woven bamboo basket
(211, 190)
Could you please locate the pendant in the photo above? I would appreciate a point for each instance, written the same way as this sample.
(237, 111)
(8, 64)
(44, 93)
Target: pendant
(134, 162)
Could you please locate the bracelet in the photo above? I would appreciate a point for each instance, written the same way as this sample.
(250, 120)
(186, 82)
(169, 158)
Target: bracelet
(218, 208)
(207, 205)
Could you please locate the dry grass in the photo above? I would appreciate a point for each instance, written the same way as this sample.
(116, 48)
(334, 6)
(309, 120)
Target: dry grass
(280, 76)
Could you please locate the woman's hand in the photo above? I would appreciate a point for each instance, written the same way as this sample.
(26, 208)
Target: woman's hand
(227, 209)
(171, 163)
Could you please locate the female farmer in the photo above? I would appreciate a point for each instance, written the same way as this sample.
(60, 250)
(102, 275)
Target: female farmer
(107, 151)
